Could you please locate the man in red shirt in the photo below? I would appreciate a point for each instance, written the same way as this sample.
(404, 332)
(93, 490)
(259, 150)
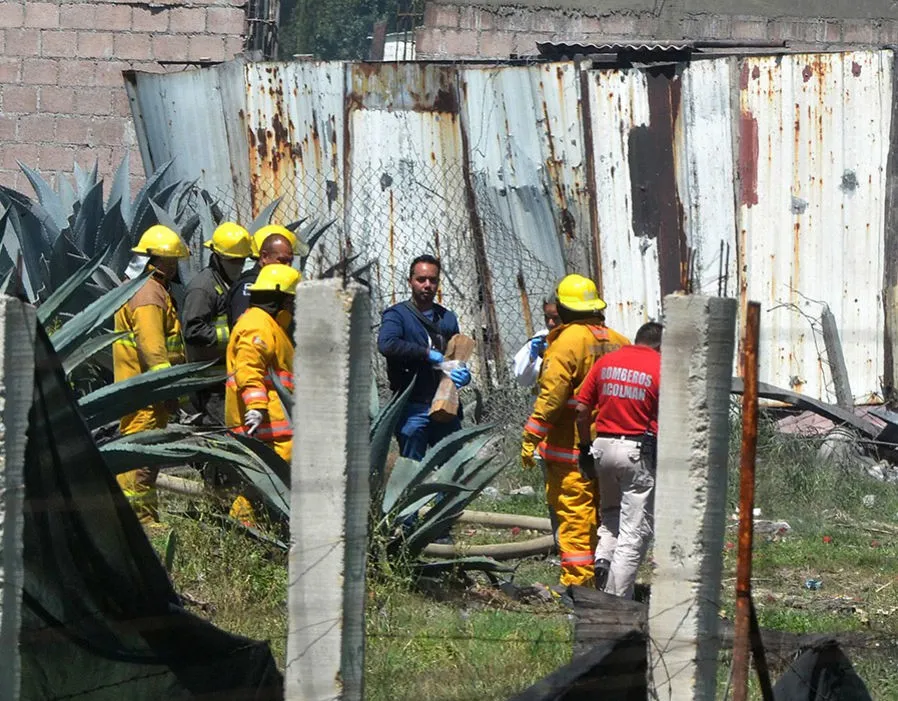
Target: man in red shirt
(623, 387)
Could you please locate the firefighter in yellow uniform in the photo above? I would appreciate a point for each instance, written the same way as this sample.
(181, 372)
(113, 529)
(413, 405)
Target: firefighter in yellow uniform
(259, 345)
(573, 347)
(153, 342)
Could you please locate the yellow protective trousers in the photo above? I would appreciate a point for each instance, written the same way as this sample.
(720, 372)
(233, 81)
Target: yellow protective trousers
(573, 499)
(139, 486)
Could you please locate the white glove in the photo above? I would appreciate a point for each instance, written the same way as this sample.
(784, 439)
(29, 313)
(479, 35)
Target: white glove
(252, 419)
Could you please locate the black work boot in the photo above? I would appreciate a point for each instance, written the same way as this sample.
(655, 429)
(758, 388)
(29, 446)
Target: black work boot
(601, 568)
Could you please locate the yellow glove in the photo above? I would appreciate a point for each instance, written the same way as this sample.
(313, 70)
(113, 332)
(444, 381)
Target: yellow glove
(528, 446)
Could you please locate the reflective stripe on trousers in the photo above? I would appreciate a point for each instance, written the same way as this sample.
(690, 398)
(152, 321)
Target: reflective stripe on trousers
(268, 431)
(573, 501)
(627, 487)
(222, 331)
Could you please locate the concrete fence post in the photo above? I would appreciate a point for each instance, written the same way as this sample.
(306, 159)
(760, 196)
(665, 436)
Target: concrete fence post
(17, 330)
(690, 488)
(329, 493)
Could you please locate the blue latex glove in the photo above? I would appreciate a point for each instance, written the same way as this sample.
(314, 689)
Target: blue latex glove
(537, 347)
(460, 377)
(434, 356)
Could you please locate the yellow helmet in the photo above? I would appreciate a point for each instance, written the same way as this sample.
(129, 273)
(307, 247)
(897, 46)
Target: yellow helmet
(161, 241)
(579, 294)
(269, 230)
(230, 240)
(276, 278)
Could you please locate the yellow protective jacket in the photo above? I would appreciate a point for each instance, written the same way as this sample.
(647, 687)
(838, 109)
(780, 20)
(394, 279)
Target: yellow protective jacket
(258, 344)
(153, 343)
(572, 350)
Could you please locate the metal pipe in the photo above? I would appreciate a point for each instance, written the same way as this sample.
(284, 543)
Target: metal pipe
(742, 627)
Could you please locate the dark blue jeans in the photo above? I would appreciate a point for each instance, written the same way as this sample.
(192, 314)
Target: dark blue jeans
(417, 433)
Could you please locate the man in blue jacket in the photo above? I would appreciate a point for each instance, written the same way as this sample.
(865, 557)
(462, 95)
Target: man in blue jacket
(413, 337)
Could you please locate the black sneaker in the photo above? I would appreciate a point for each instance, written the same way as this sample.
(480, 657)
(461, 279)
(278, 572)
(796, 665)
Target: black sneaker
(601, 568)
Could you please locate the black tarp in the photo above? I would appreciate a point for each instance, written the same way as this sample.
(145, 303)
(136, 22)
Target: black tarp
(821, 672)
(101, 619)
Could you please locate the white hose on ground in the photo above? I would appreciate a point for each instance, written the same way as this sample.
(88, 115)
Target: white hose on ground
(544, 545)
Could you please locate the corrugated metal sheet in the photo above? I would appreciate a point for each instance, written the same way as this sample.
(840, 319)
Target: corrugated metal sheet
(762, 177)
(813, 146)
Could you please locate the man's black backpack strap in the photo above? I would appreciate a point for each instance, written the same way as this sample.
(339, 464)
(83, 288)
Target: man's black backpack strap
(436, 336)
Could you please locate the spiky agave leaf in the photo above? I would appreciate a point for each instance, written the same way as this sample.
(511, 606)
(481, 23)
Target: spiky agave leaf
(133, 213)
(310, 235)
(120, 192)
(284, 395)
(88, 219)
(48, 197)
(264, 217)
(67, 290)
(79, 328)
(381, 433)
(87, 350)
(112, 401)
(34, 244)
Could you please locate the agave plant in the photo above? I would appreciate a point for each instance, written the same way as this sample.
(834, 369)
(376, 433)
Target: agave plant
(440, 486)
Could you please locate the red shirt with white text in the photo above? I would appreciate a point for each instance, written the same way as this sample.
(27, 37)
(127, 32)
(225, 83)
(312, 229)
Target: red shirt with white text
(624, 386)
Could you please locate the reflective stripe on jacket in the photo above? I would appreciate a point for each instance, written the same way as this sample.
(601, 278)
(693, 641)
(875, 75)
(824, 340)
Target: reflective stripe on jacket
(258, 345)
(572, 350)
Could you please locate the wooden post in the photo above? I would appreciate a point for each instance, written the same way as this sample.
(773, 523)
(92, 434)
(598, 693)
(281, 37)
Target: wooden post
(836, 358)
(690, 489)
(17, 330)
(329, 493)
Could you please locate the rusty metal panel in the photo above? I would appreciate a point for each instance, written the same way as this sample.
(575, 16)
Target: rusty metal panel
(407, 192)
(619, 103)
(295, 130)
(193, 117)
(813, 140)
(703, 148)
(527, 167)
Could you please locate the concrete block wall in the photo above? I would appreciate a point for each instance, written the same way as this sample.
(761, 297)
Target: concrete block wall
(496, 29)
(62, 96)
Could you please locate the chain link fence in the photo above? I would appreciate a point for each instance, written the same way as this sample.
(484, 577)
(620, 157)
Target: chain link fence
(392, 212)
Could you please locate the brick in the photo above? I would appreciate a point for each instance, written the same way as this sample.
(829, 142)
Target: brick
(93, 101)
(749, 29)
(108, 131)
(525, 43)
(187, 20)
(76, 72)
(11, 154)
(233, 46)
(712, 27)
(517, 19)
(497, 44)
(56, 157)
(43, 15)
(225, 20)
(57, 100)
(82, 15)
(206, 47)
(458, 42)
(7, 128)
(73, 130)
(149, 20)
(36, 127)
(426, 42)
(858, 32)
(889, 32)
(57, 43)
(832, 32)
(19, 98)
(23, 42)
(94, 45)
(133, 46)
(10, 70)
(121, 106)
(40, 71)
(109, 73)
(169, 48)
(470, 17)
(443, 15)
(115, 18)
(8, 178)
(590, 24)
(12, 13)
(620, 24)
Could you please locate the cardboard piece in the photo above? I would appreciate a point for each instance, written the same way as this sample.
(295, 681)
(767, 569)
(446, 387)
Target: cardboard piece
(444, 407)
